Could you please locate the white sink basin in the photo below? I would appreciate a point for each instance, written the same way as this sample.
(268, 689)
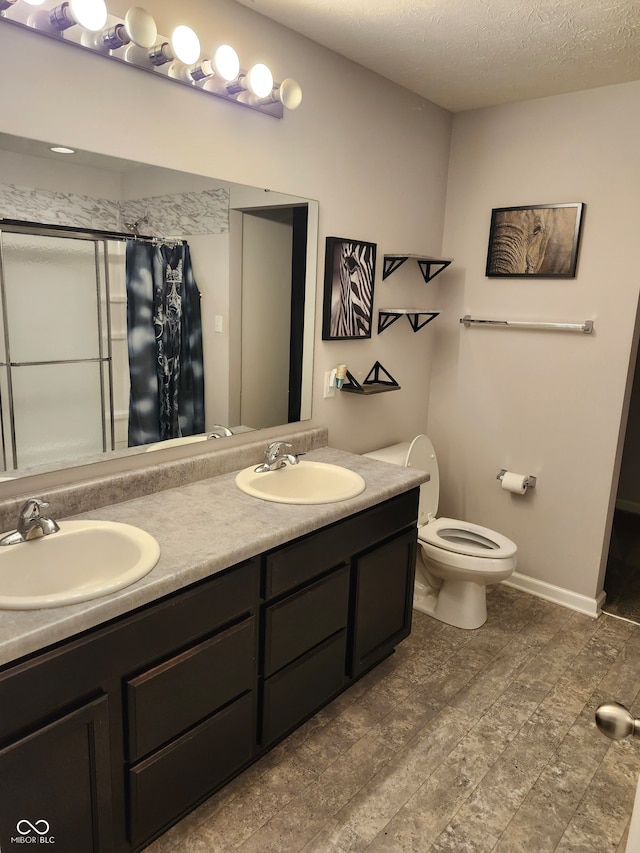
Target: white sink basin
(83, 560)
(304, 483)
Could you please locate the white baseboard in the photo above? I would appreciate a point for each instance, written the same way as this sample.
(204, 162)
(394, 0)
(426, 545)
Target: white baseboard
(557, 594)
(628, 506)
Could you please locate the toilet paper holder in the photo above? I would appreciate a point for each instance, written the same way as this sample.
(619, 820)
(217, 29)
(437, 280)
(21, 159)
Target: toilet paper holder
(530, 480)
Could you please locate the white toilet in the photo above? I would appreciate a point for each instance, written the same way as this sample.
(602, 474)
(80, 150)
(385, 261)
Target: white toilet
(456, 560)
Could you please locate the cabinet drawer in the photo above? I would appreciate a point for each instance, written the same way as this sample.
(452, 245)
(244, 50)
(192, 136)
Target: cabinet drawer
(163, 786)
(81, 665)
(300, 689)
(312, 555)
(301, 621)
(189, 687)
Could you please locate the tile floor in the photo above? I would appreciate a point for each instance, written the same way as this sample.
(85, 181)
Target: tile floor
(461, 741)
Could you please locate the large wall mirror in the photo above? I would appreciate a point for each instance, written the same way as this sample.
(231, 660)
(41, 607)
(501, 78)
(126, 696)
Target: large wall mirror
(95, 334)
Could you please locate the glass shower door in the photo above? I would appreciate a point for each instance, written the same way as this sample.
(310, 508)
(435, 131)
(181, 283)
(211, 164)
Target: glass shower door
(56, 385)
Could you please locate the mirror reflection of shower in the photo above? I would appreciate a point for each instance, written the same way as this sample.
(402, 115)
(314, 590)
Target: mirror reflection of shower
(61, 380)
(65, 347)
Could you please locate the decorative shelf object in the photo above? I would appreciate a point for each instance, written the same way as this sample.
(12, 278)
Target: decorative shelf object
(417, 317)
(429, 267)
(378, 380)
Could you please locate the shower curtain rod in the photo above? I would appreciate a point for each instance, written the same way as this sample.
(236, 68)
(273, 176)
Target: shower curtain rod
(88, 233)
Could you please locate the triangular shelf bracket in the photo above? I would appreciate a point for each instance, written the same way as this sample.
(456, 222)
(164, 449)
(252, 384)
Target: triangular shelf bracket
(416, 317)
(378, 379)
(430, 267)
(391, 263)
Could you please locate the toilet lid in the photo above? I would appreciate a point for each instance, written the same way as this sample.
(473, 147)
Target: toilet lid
(463, 537)
(421, 455)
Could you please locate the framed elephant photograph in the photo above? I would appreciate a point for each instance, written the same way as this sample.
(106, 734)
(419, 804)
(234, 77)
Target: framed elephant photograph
(349, 272)
(535, 241)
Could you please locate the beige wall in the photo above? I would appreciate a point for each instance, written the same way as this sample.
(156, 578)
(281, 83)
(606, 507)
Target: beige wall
(544, 403)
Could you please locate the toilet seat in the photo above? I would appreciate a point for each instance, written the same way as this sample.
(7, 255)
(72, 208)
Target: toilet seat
(464, 537)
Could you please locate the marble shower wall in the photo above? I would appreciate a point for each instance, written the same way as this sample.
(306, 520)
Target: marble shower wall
(178, 214)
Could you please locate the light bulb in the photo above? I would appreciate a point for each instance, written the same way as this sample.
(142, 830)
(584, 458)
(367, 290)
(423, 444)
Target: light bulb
(260, 80)
(185, 45)
(289, 93)
(89, 14)
(140, 27)
(226, 62)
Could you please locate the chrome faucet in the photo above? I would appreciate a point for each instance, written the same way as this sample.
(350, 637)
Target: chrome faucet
(219, 431)
(31, 524)
(274, 458)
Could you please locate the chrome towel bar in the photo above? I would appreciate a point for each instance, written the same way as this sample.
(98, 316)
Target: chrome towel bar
(586, 327)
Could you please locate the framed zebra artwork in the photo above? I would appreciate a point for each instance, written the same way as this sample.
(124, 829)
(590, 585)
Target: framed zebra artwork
(349, 273)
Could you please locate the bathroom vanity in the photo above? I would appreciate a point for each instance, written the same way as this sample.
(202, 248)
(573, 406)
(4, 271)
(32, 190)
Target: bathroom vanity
(112, 733)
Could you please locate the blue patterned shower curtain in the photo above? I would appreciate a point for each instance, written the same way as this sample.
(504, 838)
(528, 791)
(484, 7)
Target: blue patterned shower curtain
(164, 333)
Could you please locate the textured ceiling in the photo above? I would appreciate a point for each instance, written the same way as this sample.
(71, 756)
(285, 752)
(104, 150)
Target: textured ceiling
(465, 54)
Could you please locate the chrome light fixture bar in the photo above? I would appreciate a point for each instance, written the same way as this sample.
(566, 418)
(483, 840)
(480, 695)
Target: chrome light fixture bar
(135, 41)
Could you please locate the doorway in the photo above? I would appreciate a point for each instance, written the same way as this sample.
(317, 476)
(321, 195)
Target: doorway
(622, 578)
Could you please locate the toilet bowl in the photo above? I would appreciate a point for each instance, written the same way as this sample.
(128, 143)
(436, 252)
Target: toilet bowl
(456, 560)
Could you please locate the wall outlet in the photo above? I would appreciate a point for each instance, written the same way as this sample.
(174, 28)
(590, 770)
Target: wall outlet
(329, 387)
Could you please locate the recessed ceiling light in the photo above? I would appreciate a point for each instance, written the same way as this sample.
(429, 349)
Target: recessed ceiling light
(60, 149)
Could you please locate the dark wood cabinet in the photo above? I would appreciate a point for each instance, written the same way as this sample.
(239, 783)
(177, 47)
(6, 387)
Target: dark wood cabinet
(110, 737)
(55, 784)
(382, 602)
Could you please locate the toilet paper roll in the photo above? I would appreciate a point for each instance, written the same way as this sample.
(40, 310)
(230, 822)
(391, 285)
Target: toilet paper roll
(516, 483)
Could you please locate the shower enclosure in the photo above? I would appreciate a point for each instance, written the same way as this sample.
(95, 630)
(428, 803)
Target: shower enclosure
(63, 359)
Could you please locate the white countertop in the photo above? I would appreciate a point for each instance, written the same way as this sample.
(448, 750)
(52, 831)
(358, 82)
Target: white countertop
(202, 528)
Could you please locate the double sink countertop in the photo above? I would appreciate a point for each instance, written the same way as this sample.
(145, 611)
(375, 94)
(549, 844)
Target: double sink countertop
(202, 528)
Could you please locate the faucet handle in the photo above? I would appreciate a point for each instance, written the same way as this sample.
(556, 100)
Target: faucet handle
(273, 450)
(30, 509)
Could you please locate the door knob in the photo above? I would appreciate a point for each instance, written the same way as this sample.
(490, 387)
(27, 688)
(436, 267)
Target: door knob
(616, 722)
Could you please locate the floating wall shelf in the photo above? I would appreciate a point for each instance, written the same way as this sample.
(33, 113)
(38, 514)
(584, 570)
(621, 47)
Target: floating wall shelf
(375, 383)
(417, 317)
(429, 267)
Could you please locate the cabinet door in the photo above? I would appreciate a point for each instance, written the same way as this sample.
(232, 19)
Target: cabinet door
(55, 784)
(383, 599)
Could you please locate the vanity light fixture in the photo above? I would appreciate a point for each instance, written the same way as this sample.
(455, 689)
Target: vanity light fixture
(135, 41)
(62, 149)
(89, 14)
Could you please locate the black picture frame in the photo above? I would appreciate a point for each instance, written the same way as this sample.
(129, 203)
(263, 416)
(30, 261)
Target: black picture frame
(535, 241)
(349, 279)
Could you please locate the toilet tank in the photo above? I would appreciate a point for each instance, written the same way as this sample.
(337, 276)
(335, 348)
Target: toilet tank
(419, 454)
